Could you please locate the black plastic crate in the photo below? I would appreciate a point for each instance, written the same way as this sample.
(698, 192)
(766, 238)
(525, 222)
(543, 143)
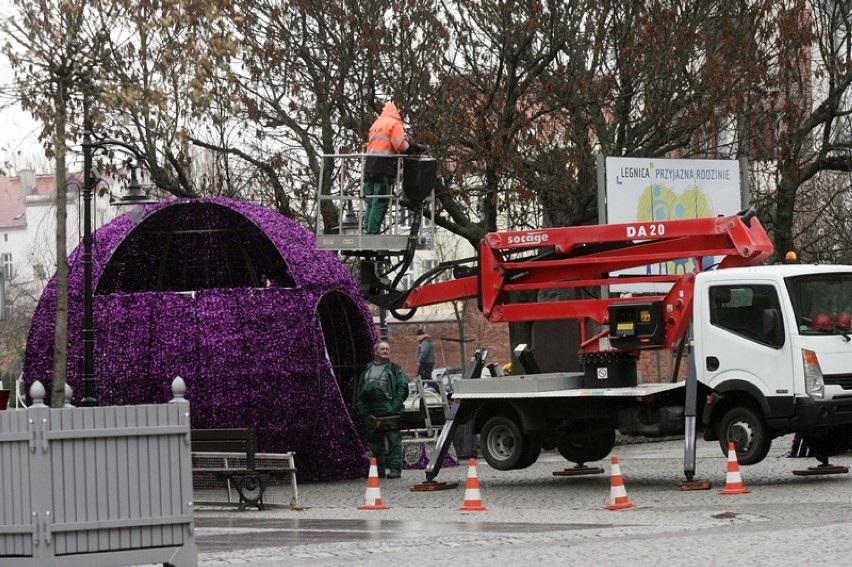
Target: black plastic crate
(418, 177)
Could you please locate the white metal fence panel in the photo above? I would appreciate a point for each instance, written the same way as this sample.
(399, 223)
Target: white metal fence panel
(16, 535)
(97, 486)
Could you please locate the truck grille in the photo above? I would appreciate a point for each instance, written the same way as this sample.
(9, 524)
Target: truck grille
(842, 380)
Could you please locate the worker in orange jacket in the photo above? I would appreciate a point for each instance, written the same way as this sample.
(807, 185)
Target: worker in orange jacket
(387, 138)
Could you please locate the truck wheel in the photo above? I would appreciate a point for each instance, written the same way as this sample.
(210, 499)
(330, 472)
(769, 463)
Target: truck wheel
(502, 443)
(747, 429)
(532, 450)
(833, 441)
(586, 446)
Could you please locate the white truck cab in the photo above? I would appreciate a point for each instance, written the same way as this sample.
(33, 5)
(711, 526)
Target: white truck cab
(780, 335)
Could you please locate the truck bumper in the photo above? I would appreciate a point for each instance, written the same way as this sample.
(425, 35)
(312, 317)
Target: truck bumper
(811, 413)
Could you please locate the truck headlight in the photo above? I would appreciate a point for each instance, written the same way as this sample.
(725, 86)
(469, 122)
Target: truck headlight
(814, 385)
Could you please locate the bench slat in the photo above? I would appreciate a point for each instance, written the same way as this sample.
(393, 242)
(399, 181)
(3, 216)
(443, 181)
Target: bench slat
(216, 434)
(246, 472)
(226, 440)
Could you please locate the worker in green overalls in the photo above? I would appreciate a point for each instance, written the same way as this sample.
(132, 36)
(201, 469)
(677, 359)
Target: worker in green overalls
(382, 390)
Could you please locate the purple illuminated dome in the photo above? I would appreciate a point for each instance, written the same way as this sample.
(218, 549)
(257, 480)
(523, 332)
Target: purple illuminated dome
(267, 331)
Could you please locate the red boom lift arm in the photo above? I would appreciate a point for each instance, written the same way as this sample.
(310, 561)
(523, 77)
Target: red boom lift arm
(590, 256)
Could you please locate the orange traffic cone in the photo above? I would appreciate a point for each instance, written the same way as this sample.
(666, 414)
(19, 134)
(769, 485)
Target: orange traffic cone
(734, 482)
(373, 496)
(617, 493)
(472, 499)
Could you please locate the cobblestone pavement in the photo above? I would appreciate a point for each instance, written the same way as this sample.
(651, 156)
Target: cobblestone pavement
(535, 516)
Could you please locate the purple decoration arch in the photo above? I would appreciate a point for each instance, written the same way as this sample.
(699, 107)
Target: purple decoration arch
(267, 331)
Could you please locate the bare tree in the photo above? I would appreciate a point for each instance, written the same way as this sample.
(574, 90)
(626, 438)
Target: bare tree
(154, 86)
(52, 48)
(314, 74)
(531, 92)
(20, 298)
(810, 120)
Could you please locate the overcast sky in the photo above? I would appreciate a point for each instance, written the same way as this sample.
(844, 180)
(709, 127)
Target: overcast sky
(19, 147)
(18, 132)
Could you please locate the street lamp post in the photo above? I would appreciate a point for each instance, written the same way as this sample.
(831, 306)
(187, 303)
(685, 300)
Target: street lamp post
(88, 324)
(135, 196)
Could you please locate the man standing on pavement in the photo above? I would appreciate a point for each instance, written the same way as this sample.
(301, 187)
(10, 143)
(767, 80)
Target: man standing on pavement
(425, 355)
(382, 390)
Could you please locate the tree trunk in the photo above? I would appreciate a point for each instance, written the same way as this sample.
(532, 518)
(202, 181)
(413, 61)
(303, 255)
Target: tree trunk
(460, 309)
(60, 345)
(520, 332)
(785, 201)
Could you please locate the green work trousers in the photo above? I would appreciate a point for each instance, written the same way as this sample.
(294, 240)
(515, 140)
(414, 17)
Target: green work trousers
(392, 458)
(376, 189)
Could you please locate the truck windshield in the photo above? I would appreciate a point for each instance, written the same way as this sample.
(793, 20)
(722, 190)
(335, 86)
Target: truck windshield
(822, 302)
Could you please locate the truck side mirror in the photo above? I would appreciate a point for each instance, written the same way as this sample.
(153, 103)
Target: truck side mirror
(772, 327)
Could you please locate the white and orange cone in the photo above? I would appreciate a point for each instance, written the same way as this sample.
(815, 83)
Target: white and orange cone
(472, 498)
(373, 496)
(617, 492)
(733, 482)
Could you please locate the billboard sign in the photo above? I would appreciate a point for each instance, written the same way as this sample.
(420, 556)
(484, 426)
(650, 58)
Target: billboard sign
(655, 189)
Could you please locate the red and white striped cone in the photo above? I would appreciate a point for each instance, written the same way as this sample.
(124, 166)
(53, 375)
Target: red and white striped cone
(472, 498)
(373, 496)
(617, 492)
(733, 482)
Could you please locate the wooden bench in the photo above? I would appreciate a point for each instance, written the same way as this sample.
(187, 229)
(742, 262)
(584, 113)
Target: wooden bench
(228, 445)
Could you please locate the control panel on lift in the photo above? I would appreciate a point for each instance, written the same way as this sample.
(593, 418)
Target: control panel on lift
(342, 205)
(636, 325)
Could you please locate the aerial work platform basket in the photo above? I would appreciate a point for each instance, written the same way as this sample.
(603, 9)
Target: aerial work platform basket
(409, 219)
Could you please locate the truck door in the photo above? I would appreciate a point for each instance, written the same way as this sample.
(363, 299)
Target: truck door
(743, 339)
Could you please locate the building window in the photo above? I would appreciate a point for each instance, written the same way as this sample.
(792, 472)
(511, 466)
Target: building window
(407, 281)
(6, 260)
(429, 264)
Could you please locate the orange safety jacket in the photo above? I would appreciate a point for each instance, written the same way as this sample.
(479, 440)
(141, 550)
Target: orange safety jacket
(386, 138)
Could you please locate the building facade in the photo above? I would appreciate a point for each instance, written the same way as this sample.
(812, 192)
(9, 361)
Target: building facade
(28, 227)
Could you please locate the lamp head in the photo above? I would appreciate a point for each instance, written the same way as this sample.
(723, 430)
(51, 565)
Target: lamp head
(135, 194)
(350, 222)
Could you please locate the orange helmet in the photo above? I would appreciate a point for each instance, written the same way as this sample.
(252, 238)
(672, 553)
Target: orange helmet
(821, 322)
(843, 321)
